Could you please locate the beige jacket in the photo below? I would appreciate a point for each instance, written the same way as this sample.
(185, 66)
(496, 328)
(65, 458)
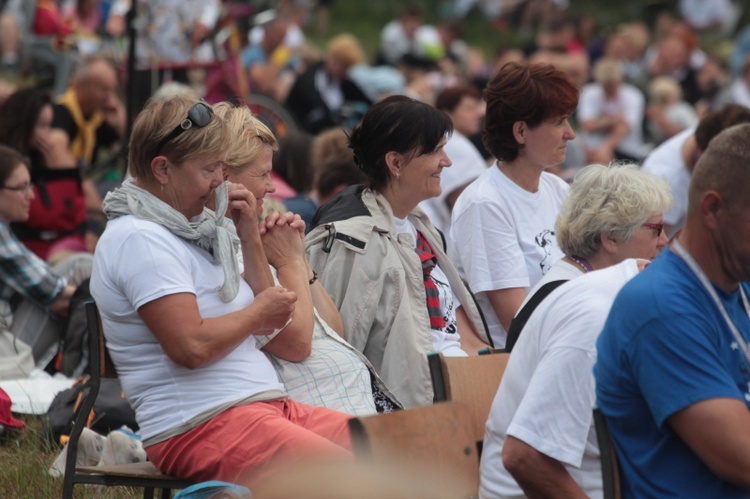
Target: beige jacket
(375, 278)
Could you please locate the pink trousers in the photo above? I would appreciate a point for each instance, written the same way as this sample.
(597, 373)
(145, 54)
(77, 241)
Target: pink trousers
(247, 443)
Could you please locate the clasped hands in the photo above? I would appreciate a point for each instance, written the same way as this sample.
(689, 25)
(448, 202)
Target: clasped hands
(283, 237)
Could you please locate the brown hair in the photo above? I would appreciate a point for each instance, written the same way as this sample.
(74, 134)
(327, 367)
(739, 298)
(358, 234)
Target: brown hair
(449, 98)
(716, 122)
(396, 123)
(10, 159)
(725, 168)
(531, 93)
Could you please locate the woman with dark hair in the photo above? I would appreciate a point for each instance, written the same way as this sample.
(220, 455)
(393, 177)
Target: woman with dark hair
(383, 262)
(503, 225)
(58, 209)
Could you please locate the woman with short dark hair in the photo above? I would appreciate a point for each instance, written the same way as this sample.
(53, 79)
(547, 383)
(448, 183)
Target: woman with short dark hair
(503, 225)
(383, 262)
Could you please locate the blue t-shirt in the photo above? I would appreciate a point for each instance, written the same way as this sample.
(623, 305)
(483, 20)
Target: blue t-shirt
(664, 347)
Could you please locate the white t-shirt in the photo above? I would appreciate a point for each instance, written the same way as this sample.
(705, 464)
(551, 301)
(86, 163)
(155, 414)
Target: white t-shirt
(446, 340)
(394, 43)
(629, 103)
(739, 92)
(702, 14)
(666, 161)
(137, 262)
(467, 166)
(503, 236)
(547, 393)
(560, 271)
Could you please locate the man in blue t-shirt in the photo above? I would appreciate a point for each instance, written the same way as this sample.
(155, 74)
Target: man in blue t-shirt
(673, 368)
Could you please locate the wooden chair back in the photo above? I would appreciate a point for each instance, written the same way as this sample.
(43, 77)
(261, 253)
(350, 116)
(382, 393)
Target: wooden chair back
(436, 437)
(472, 381)
(106, 366)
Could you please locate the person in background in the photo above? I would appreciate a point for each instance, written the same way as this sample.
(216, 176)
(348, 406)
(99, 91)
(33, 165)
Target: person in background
(372, 248)
(271, 65)
(24, 275)
(673, 58)
(464, 105)
(407, 39)
(322, 95)
(58, 208)
(502, 236)
(292, 166)
(611, 115)
(685, 322)
(740, 88)
(667, 114)
(90, 117)
(675, 159)
(540, 439)
(168, 33)
(335, 174)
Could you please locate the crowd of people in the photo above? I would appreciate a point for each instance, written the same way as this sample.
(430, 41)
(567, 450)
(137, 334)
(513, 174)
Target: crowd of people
(433, 201)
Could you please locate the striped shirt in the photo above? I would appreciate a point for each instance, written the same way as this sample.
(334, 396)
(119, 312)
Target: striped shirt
(24, 273)
(335, 375)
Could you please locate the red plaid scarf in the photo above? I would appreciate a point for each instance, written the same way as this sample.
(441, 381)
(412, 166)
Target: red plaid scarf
(429, 260)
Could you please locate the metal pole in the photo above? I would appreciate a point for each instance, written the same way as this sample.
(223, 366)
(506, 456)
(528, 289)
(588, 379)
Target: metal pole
(131, 88)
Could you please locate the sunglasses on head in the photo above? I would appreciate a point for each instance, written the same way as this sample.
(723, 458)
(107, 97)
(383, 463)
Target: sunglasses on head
(200, 114)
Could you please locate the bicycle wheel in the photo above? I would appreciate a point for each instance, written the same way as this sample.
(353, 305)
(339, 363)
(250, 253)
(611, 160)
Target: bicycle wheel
(274, 115)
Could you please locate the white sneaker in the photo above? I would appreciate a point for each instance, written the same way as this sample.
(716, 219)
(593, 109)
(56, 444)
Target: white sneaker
(90, 446)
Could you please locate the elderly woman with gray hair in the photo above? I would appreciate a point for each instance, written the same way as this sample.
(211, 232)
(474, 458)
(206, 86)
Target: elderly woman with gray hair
(612, 213)
(540, 440)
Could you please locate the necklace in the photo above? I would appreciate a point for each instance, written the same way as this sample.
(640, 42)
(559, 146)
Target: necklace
(680, 251)
(583, 263)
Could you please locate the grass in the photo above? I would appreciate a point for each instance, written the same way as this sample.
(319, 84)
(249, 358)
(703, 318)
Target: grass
(23, 472)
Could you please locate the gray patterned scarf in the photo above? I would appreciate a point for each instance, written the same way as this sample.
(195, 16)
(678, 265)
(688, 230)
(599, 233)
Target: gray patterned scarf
(211, 233)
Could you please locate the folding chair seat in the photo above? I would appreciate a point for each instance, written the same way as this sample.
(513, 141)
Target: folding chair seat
(127, 475)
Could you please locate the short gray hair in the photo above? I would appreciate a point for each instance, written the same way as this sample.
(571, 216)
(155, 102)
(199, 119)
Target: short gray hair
(611, 201)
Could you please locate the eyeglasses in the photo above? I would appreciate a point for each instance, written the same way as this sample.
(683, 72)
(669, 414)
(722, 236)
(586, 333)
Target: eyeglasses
(200, 114)
(657, 227)
(18, 188)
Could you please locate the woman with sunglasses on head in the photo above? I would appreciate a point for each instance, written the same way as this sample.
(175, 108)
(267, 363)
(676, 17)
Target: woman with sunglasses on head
(312, 359)
(23, 273)
(180, 310)
(384, 263)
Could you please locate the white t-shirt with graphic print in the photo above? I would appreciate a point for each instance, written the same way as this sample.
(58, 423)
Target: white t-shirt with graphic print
(503, 236)
(446, 340)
